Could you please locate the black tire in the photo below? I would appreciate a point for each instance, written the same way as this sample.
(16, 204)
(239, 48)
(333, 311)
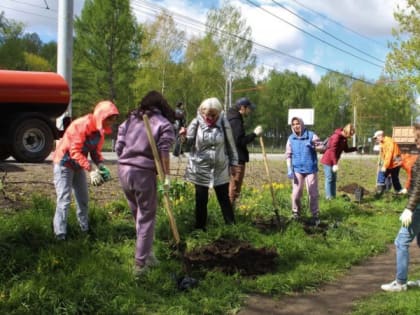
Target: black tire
(32, 141)
(5, 152)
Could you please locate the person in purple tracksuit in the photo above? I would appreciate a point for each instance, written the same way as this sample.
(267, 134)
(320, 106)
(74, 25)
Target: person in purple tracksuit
(137, 169)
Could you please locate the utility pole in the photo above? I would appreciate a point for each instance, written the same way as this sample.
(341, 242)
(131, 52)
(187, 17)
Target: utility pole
(65, 50)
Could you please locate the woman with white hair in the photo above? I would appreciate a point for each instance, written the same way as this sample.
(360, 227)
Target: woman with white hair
(213, 149)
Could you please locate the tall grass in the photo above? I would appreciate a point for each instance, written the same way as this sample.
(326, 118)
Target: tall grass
(92, 273)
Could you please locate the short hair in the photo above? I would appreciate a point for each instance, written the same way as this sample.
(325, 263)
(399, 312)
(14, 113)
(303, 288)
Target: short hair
(210, 103)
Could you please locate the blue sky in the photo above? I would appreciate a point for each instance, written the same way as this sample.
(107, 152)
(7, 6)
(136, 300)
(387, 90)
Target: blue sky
(341, 35)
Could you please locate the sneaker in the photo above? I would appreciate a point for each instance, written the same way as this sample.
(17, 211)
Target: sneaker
(315, 221)
(152, 261)
(295, 215)
(60, 237)
(140, 270)
(402, 192)
(413, 284)
(394, 286)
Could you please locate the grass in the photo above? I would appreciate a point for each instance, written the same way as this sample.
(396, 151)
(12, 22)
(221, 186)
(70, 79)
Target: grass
(92, 274)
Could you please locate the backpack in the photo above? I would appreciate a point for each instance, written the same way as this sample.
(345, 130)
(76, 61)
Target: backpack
(322, 146)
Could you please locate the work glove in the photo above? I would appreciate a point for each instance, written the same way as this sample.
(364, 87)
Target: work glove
(258, 131)
(290, 172)
(406, 217)
(383, 169)
(105, 173)
(96, 178)
(335, 168)
(167, 183)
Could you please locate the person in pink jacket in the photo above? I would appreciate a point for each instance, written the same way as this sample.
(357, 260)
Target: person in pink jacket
(83, 137)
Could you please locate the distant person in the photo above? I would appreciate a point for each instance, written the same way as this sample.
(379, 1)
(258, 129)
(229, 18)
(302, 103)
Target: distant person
(84, 136)
(337, 144)
(137, 169)
(235, 114)
(212, 151)
(180, 122)
(302, 168)
(389, 163)
(410, 219)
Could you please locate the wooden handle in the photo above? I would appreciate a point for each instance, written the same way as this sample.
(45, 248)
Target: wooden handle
(161, 175)
(267, 171)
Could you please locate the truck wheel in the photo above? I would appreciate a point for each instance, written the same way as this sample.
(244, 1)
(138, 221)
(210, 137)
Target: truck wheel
(32, 141)
(4, 152)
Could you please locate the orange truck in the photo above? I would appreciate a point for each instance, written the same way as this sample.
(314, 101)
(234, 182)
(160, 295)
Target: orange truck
(404, 137)
(30, 103)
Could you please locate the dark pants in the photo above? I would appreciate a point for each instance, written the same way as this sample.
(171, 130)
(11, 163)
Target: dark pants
(201, 200)
(237, 173)
(178, 148)
(394, 172)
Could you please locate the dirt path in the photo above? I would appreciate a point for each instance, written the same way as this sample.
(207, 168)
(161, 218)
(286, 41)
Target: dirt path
(337, 297)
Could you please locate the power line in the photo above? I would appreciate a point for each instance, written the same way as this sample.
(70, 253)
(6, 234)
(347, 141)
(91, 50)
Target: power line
(339, 24)
(328, 33)
(176, 17)
(314, 36)
(29, 13)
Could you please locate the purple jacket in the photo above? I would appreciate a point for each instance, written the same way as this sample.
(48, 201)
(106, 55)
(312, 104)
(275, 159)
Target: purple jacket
(132, 146)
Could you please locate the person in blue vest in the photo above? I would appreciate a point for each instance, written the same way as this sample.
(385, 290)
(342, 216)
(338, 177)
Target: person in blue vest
(302, 168)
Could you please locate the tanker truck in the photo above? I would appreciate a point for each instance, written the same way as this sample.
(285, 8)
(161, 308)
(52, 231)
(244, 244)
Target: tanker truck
(30, 103)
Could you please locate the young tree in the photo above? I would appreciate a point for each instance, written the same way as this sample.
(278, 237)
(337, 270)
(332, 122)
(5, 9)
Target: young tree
(403, 62)
(162, 49)
(233, 36)
(105, 54)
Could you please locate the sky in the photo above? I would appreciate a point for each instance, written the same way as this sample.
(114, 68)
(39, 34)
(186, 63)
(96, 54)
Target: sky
(309, 37)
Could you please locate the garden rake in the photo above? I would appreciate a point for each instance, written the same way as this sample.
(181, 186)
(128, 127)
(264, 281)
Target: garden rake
(270, 180)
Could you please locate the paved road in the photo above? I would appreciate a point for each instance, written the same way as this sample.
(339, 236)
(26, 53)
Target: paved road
(111, 156)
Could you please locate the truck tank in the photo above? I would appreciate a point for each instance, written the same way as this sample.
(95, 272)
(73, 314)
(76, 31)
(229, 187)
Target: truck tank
(30, 103)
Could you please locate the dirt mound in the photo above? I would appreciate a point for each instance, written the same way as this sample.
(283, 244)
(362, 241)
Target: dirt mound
(231, 256)
(352, 188)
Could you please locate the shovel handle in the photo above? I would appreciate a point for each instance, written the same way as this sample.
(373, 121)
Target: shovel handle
(161, 175)
(267, 171)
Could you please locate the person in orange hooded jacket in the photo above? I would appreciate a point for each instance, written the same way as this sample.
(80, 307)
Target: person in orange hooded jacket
(389, 163)
(83, 137)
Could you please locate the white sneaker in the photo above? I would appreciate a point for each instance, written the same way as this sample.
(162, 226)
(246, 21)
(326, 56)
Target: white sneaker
(413, 284)
(403, 192)
(394, 286)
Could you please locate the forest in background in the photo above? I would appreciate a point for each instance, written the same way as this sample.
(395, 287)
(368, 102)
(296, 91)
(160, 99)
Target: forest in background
(119, 59)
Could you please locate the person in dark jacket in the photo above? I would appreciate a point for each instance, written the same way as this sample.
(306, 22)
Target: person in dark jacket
(337, 144)
(410, 228)
(242, 108)
(180, 122)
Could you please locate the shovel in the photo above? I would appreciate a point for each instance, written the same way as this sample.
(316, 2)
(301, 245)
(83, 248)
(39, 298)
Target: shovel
(161, 175)
(270, 180)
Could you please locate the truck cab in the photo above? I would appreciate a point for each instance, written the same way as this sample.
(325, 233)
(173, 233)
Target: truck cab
(30, 103)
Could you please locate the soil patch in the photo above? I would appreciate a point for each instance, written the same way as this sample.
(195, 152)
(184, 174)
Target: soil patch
(232, 256)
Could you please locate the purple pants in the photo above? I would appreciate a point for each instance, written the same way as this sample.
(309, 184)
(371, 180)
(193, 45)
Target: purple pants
(311, 182)
(139, 186)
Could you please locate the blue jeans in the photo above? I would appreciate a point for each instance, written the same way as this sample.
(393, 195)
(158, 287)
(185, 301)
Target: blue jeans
(330, 182)
(402, 242)
(394, 175)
